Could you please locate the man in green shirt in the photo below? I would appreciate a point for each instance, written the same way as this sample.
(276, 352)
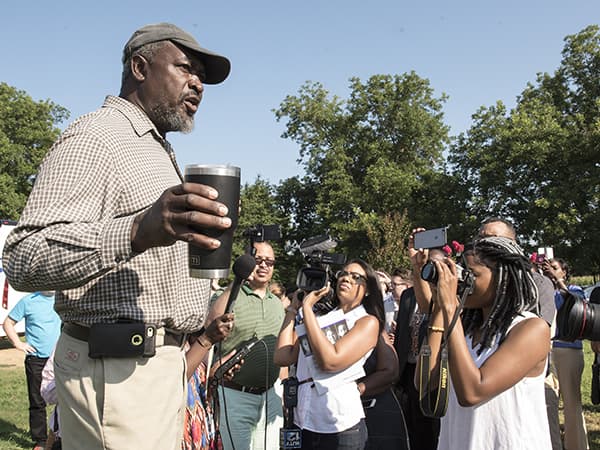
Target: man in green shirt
(250, 409)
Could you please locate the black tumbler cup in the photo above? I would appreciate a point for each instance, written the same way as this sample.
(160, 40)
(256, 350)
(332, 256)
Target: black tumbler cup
(226, 180)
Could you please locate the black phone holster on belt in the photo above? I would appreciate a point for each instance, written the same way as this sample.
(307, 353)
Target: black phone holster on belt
(122, 340)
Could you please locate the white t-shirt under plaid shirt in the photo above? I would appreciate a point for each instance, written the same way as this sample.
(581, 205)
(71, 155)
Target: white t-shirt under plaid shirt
(74, 234)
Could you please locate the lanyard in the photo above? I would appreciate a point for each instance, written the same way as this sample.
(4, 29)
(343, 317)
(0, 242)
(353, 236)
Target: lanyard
(434, 402)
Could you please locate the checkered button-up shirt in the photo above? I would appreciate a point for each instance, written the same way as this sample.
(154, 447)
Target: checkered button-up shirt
(74, 234)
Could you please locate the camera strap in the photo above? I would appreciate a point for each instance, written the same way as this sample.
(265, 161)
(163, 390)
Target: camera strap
(434, 402)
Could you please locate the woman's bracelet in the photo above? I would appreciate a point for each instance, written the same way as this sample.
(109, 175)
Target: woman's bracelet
(437, 329)
(204, 342)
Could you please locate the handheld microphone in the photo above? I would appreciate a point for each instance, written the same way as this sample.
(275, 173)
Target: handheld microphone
(242, 268)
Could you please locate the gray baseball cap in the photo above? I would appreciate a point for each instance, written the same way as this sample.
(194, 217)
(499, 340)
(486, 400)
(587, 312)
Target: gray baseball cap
(217, 66)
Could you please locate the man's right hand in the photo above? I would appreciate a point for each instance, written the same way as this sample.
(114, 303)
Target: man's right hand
(25, 347)
(178, 215)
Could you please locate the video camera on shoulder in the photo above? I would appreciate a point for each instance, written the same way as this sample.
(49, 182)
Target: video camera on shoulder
(318, 273)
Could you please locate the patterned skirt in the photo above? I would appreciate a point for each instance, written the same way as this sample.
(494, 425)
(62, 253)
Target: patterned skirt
(199, 431)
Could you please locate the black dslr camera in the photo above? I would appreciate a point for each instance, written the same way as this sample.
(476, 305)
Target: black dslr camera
(318, 272)
(578, 318)
(437, 238)
(465, 277)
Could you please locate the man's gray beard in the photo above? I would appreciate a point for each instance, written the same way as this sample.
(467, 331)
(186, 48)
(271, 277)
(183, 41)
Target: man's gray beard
(168, 119)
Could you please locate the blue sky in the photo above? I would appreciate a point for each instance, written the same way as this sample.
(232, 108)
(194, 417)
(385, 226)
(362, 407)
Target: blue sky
(477, 52)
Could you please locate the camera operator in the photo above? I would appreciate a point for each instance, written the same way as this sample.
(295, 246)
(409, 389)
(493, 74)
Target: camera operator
(567, 360)
(332, 416)
(497, 352)
(250, 409)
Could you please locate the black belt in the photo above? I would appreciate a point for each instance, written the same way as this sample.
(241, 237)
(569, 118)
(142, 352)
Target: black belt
(82, 333)
(249, 389)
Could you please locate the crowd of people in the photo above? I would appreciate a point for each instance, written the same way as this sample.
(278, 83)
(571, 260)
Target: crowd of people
(136, 361)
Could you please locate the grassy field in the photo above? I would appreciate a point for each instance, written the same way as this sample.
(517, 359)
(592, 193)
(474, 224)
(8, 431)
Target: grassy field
(14, 433)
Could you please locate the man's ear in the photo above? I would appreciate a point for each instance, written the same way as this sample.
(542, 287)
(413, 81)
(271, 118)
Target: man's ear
(139, 67)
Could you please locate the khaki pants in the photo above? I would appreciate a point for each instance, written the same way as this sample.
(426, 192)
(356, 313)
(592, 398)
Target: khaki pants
(119, 403)
(551, 391)
(568, 364)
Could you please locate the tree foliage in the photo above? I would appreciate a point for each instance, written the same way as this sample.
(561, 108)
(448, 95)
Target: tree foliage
(538, 163)
(364, 157)
(379, 162)
(27, 130)
(388, 239)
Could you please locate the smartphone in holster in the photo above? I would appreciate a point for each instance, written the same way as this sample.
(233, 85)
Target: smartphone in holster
(122, 340)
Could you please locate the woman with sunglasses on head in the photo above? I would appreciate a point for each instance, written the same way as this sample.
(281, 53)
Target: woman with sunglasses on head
(497, 353)
(331, 415)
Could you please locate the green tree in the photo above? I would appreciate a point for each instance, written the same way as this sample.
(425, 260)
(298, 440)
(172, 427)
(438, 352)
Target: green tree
(387, 237)
(364, 157)
(538, 164)
(27, 130)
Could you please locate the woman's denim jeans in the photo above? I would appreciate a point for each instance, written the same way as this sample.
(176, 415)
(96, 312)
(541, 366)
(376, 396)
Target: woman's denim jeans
(353, 438)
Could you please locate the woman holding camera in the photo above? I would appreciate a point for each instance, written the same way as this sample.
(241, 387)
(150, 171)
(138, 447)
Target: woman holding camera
(331, 414)
(497, 354)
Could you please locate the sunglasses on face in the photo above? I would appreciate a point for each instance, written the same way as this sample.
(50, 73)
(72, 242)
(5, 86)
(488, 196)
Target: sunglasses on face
(269, 262)
(356, 277)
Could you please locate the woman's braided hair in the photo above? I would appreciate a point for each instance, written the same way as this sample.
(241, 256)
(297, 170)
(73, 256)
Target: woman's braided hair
(515, 289)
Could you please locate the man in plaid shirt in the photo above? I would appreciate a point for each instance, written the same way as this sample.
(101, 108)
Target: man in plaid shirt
(106, 227)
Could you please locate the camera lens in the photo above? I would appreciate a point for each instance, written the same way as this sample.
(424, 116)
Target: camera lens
(578, 319)
(429, 272)
(592, 328)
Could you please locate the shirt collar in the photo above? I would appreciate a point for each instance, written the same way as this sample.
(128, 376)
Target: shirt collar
(248, 290)
(136, 116)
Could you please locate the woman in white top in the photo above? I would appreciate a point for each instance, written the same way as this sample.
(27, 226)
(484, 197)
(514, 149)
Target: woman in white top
(329, 409)
(497, 353)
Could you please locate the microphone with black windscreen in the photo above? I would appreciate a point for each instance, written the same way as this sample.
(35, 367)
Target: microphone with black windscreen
(242, 268)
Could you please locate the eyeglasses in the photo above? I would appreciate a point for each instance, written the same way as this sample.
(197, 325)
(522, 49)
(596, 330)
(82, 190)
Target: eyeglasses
(356, 277)
(269, 262)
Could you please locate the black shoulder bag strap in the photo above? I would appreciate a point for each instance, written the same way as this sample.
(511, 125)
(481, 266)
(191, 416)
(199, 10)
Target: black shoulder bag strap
(434, 402)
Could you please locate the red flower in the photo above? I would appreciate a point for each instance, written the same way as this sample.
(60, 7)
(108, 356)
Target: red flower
(447, 250)
(533, 257)
(458, 247)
